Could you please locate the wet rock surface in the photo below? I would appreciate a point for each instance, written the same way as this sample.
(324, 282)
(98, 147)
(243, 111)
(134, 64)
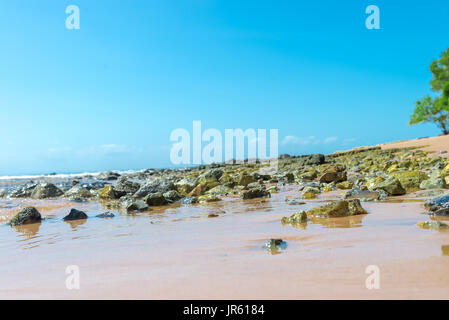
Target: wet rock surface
(27, 215)
(75, 214)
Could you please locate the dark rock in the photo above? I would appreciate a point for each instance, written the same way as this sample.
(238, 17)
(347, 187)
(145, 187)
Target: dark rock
(172, 196)
(75, 214)
(105, 215)
(26, 216)
(438, 203)
(155, 199)
(259, 192)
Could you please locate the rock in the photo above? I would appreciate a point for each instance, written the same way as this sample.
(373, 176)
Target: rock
(75, 215)
(410, 180)
(333, 173)
(23, 191)
(259, 192)
(436, 225)
(298, 217)
(226, 180)
(445, 172)
(327, 189)
(108, 176)
(27, 215)
(108, 192)
(155, 199)
(308, 195)
(91, 184)
(433, 183)
(208, 198)
(244, 179)
(438, 203)
(124, 187)
(313, 159)
(209, 179)
(342, 208)
(188, 200)
(197, 191)
(364, 195)
(78, 193)
(345, 185)
(220, 190)
(186, 185)
(105, 215)
(310, 189)
(273, 189)
(130, 204)
(156, 185)
(391, 186)
(172, 196)
(274, 245)
(45, 190)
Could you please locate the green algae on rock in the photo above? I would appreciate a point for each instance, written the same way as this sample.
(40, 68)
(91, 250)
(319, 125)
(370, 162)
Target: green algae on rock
(45, 191)
(410, 180)
(297, 217)
(435, 225)
(341, 208)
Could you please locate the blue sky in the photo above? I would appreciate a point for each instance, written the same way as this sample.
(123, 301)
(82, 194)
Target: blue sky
(107, 96)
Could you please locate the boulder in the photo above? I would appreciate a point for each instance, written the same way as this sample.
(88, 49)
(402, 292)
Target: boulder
(46, 190)
(188, 200)
(245, 179)
(75, 214)
(342, 208)
(155, 199)
(391, 186)
(78, 193)
(108, 193)
(27, 215)
(333, 173)
(186, 185)
(259, 192)
(23, 191)
(410, 180)
(156, 185)
(124, 187)
(298, 217)
(172, 196)
(208, 198)
(130, 204)
(345, 185)
(108, 176)
(438, 203)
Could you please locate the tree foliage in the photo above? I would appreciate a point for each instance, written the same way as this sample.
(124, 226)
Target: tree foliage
(435, 110)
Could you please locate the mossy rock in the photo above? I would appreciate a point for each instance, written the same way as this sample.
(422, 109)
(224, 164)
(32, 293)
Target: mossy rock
(342, 208)
(345, 185)
(410, 180)
(108, 192)
(298, 217)
(435, 225)
(208, 198)
(308, 195)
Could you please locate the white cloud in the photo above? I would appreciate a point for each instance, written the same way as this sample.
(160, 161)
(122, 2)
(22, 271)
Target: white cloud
(292, 140)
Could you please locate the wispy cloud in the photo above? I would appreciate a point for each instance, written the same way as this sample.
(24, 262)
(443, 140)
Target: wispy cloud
(311, 140)
(104, 149)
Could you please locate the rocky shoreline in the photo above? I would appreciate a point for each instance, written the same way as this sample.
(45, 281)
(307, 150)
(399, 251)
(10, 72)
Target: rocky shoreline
(369, 174)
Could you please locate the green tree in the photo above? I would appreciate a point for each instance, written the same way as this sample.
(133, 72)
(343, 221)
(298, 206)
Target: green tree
(435, 110)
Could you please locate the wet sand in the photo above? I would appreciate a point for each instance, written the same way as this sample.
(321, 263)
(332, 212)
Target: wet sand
(177, 252)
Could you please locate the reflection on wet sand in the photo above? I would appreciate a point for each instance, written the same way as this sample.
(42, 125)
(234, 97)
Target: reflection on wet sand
(445, 249)
(341, 222)
(74, 224)
(28, 231)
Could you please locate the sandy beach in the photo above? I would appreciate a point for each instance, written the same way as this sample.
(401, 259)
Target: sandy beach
(216, 250)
